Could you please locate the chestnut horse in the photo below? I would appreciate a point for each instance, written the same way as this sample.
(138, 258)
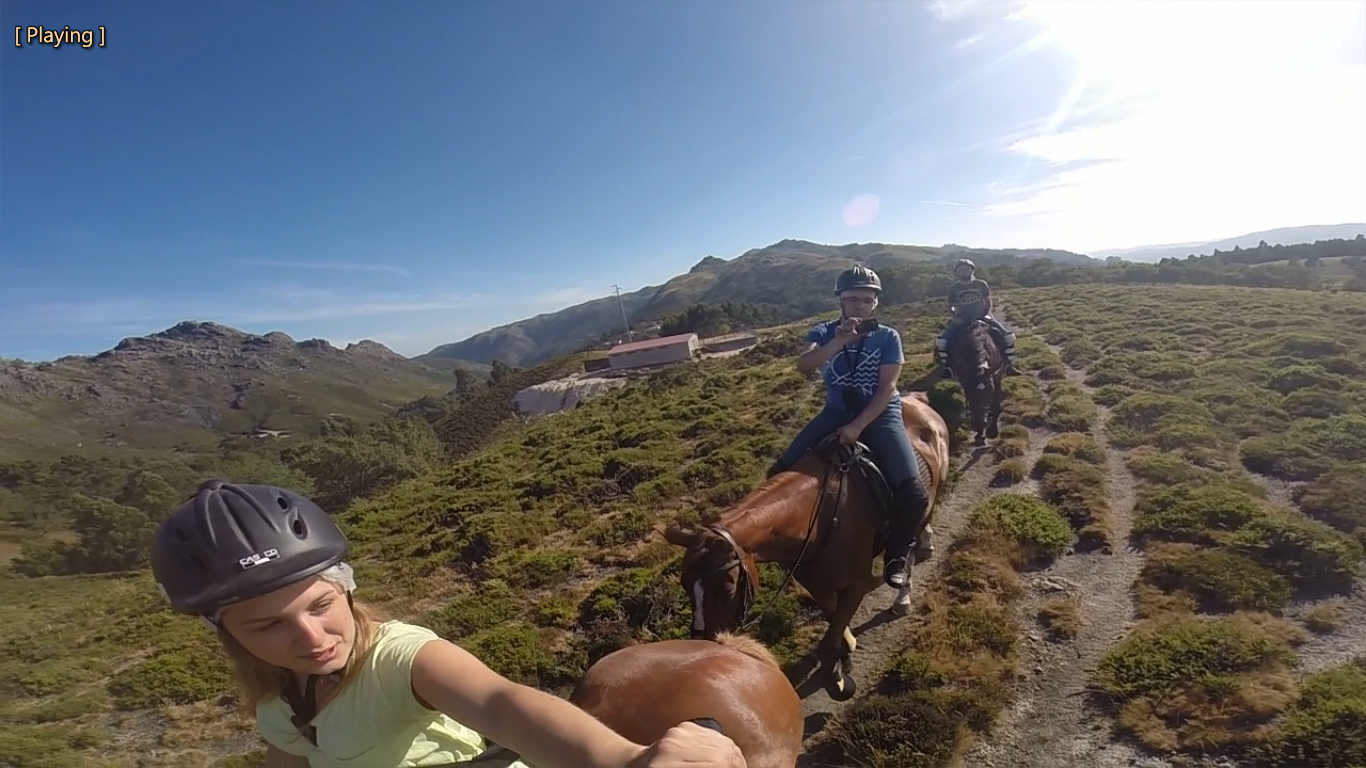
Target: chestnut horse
(825, 521)
(979, 366)
(643, 690)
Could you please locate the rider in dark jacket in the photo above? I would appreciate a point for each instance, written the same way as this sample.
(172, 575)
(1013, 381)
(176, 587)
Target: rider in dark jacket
(860, 368)
(970, 299)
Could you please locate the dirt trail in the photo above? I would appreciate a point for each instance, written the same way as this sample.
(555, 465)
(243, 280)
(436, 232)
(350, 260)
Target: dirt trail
(1051, 723)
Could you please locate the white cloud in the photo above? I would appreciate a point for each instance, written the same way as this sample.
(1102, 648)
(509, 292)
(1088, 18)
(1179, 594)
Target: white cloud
(953, 10)
(566, 297)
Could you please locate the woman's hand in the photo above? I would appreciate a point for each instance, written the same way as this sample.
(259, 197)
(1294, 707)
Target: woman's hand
(849, 434)
(847, 331)
(689, 745)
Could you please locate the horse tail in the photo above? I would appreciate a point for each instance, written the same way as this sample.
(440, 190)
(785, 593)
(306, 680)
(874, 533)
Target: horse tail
(749, 647)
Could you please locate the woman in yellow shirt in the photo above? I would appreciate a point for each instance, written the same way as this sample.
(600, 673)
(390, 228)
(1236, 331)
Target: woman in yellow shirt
(332, 687)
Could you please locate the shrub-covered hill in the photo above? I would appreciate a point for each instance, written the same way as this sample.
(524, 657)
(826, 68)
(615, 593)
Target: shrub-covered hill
(535, 551)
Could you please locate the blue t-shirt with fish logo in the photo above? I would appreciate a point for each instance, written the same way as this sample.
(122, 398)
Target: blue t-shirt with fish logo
(857, 367)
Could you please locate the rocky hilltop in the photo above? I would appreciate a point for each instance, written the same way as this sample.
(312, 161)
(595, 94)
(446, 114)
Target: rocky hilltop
(197, 381)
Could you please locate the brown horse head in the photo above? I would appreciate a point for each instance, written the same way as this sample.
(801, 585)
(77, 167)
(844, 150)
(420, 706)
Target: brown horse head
(719, 576)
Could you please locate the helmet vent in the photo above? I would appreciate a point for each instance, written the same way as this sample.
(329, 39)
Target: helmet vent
(282, 502)
(298, 527)
(198, 562)
(181, 536)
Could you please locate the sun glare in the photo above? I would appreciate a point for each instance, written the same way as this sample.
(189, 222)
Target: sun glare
(1179, 44)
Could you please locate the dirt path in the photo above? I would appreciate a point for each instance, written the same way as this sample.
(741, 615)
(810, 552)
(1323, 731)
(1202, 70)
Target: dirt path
(1051, 723)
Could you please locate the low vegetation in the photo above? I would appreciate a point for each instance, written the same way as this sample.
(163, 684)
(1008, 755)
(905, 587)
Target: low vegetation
(1199, 404)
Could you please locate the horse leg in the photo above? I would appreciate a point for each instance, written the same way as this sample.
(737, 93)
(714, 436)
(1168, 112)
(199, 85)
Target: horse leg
(840, 685)
(979, 416)
(826, 602)
(997, 403)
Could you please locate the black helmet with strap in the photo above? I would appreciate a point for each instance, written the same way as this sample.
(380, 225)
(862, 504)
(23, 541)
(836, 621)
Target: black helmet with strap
(858, 276)
(231, 543)
(965, 263)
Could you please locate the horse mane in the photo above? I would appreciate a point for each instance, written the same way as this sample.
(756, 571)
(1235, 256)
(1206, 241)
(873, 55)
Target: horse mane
(749, 647)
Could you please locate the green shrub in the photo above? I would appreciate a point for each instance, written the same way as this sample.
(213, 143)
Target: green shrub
(1187, 683)
(1197, 513)
(1038, 530)
(1221, 580)
(1077, 444)
(177, 675)
(1310, 554)
(1327, 726)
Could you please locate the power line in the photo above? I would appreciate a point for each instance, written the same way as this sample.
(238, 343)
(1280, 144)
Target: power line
(630, 336)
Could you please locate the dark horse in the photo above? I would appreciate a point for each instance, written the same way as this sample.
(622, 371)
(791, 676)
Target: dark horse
(825, 521)
(643, 690)
(979, 366)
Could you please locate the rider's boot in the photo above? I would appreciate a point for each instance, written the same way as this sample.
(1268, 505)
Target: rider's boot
(941, 360)
(911, 504)
(1007, 341)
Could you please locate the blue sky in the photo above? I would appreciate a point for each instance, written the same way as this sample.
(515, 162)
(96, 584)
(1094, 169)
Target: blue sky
(418, 172)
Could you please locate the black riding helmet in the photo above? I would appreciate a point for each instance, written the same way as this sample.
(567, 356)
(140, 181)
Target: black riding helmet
(857, 276)
(231, 543)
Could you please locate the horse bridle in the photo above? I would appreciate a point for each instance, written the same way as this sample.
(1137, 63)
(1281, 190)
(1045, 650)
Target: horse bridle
(748, 589)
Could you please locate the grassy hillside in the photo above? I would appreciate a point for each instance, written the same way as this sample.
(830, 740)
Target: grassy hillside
(536, 550)
(194, 383)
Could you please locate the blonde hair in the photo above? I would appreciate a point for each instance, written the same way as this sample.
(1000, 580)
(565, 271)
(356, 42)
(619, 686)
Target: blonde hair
(259, 682)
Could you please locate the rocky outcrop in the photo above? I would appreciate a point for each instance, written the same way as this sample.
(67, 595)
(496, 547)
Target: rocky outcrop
(563, 394)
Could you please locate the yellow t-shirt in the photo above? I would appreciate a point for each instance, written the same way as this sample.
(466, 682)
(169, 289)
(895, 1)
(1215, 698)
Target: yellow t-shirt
(376, 721)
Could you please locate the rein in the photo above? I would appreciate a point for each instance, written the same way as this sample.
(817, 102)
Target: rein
(750, 588)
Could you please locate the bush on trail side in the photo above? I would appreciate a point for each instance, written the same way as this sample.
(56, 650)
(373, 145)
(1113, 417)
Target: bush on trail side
(955, 676)
(1218, 580)
(1069, 408)
(1010, 472)
(1326, 726)
(1079, 445)
(1195, 684)
(1337, 498)
(1078, 489)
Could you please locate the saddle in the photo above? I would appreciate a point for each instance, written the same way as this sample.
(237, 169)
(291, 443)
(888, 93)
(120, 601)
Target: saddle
(861, 460)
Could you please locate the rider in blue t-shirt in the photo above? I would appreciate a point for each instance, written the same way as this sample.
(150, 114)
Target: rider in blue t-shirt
(860, 368)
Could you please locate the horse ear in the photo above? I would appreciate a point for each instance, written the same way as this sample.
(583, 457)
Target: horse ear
(679, 537)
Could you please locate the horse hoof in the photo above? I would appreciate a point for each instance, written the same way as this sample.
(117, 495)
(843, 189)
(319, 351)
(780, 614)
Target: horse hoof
(979, 440)
(843, 689)
(993, 432)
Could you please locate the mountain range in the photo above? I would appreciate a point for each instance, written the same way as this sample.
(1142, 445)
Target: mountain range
(1282, 236)
(792, 276)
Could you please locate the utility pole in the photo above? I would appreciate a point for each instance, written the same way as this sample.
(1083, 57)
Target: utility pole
(629, 335)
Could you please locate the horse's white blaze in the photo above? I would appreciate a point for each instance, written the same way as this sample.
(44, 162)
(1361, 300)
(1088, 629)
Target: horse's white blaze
(849, 639)
(698, 623)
